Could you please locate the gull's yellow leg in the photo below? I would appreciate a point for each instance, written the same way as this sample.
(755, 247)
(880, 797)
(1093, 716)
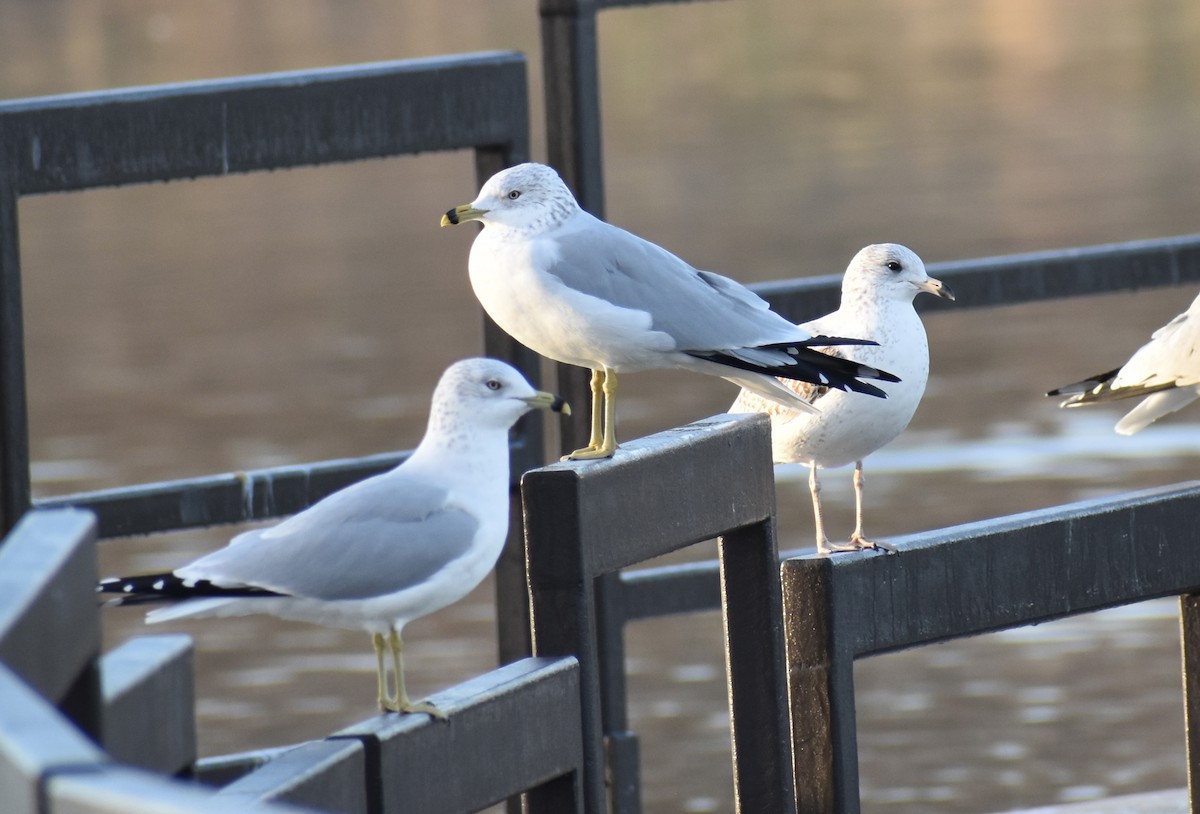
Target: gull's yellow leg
(601, 447)
(609, 446)
(385, 701)
(402, 702)
(598, 377)
(595, 442)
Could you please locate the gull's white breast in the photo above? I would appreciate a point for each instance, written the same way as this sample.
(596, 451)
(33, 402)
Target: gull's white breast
(541, 312)
(850, 426)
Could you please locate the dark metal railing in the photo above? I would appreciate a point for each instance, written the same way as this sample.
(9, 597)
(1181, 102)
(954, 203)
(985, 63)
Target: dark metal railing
(220, 127)
(585, 522)
(971, 579)
(582, 594)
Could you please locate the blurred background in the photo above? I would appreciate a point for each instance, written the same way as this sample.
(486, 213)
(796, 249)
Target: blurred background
(224, 324)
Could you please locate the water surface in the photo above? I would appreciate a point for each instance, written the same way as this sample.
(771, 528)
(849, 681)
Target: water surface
(211, 326)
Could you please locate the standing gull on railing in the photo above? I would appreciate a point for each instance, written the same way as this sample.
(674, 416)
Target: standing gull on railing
(384, 551)
(877, 303)
(578, 290)
(1166, 370)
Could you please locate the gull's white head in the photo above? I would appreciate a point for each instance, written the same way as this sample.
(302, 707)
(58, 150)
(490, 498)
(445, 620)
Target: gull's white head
(530, 198)
(487, 393)
(892, 271)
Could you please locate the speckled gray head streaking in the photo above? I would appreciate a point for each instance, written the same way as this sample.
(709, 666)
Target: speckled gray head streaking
(383, 551)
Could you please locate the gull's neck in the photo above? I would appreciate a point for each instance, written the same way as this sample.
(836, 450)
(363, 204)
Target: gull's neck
(477, 454)
(867, 306)
(557, 214)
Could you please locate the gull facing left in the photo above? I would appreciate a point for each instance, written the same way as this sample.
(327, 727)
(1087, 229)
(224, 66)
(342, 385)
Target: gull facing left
(877, 303)
(384, 551)
(581, 291)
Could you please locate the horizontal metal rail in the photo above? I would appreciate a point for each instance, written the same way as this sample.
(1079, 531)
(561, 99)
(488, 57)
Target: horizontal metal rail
(246, 124)
(238, 125)
(585, 522)
(236, 497)
(1019, 278)
(268, 493)
(962, 581)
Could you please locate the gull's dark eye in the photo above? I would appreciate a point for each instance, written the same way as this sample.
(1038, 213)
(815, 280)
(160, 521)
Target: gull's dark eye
(492, 384)
(514, 194)
(895, 266)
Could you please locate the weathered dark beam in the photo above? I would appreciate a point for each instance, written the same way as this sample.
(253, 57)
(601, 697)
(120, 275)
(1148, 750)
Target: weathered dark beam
(113, 789)
(34, 740)
(962, 581)
(49, 617)
(1189, 617)
(751, 607)
(149, 703)
(508, 731)
(218, 499)
(15, 488)
(1016, 570)
(634, 507)
(821, 690)
(244, 124)
(571, 87)
(218, 127)
(329, 775)
(1019, 278)
(658, 494)
(671, 590)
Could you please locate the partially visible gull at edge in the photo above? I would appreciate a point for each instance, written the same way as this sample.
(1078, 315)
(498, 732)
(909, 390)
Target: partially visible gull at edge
(581, 291)
(1164, 373)
(877, 303)
(384, 551)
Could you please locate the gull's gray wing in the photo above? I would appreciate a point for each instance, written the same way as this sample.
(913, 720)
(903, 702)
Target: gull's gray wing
(700, 310)
(378, 536)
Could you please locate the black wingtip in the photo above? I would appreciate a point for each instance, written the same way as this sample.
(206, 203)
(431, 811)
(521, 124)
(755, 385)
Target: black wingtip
(808, 365)
(167, 587)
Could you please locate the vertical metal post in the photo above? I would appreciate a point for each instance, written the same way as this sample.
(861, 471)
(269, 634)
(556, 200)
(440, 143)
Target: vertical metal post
(571, 75)
(620, 744)
(755, 662)
(821, 692)
(562, 602)
(512, 600)
(15, 494)
(1189, 619)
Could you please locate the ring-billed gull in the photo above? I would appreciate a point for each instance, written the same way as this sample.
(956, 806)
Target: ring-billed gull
(877, 303)
(384, 551)
(1166, 370)
(581, 291)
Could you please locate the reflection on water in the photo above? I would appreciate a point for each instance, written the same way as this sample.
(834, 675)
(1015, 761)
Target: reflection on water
(230, 324)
